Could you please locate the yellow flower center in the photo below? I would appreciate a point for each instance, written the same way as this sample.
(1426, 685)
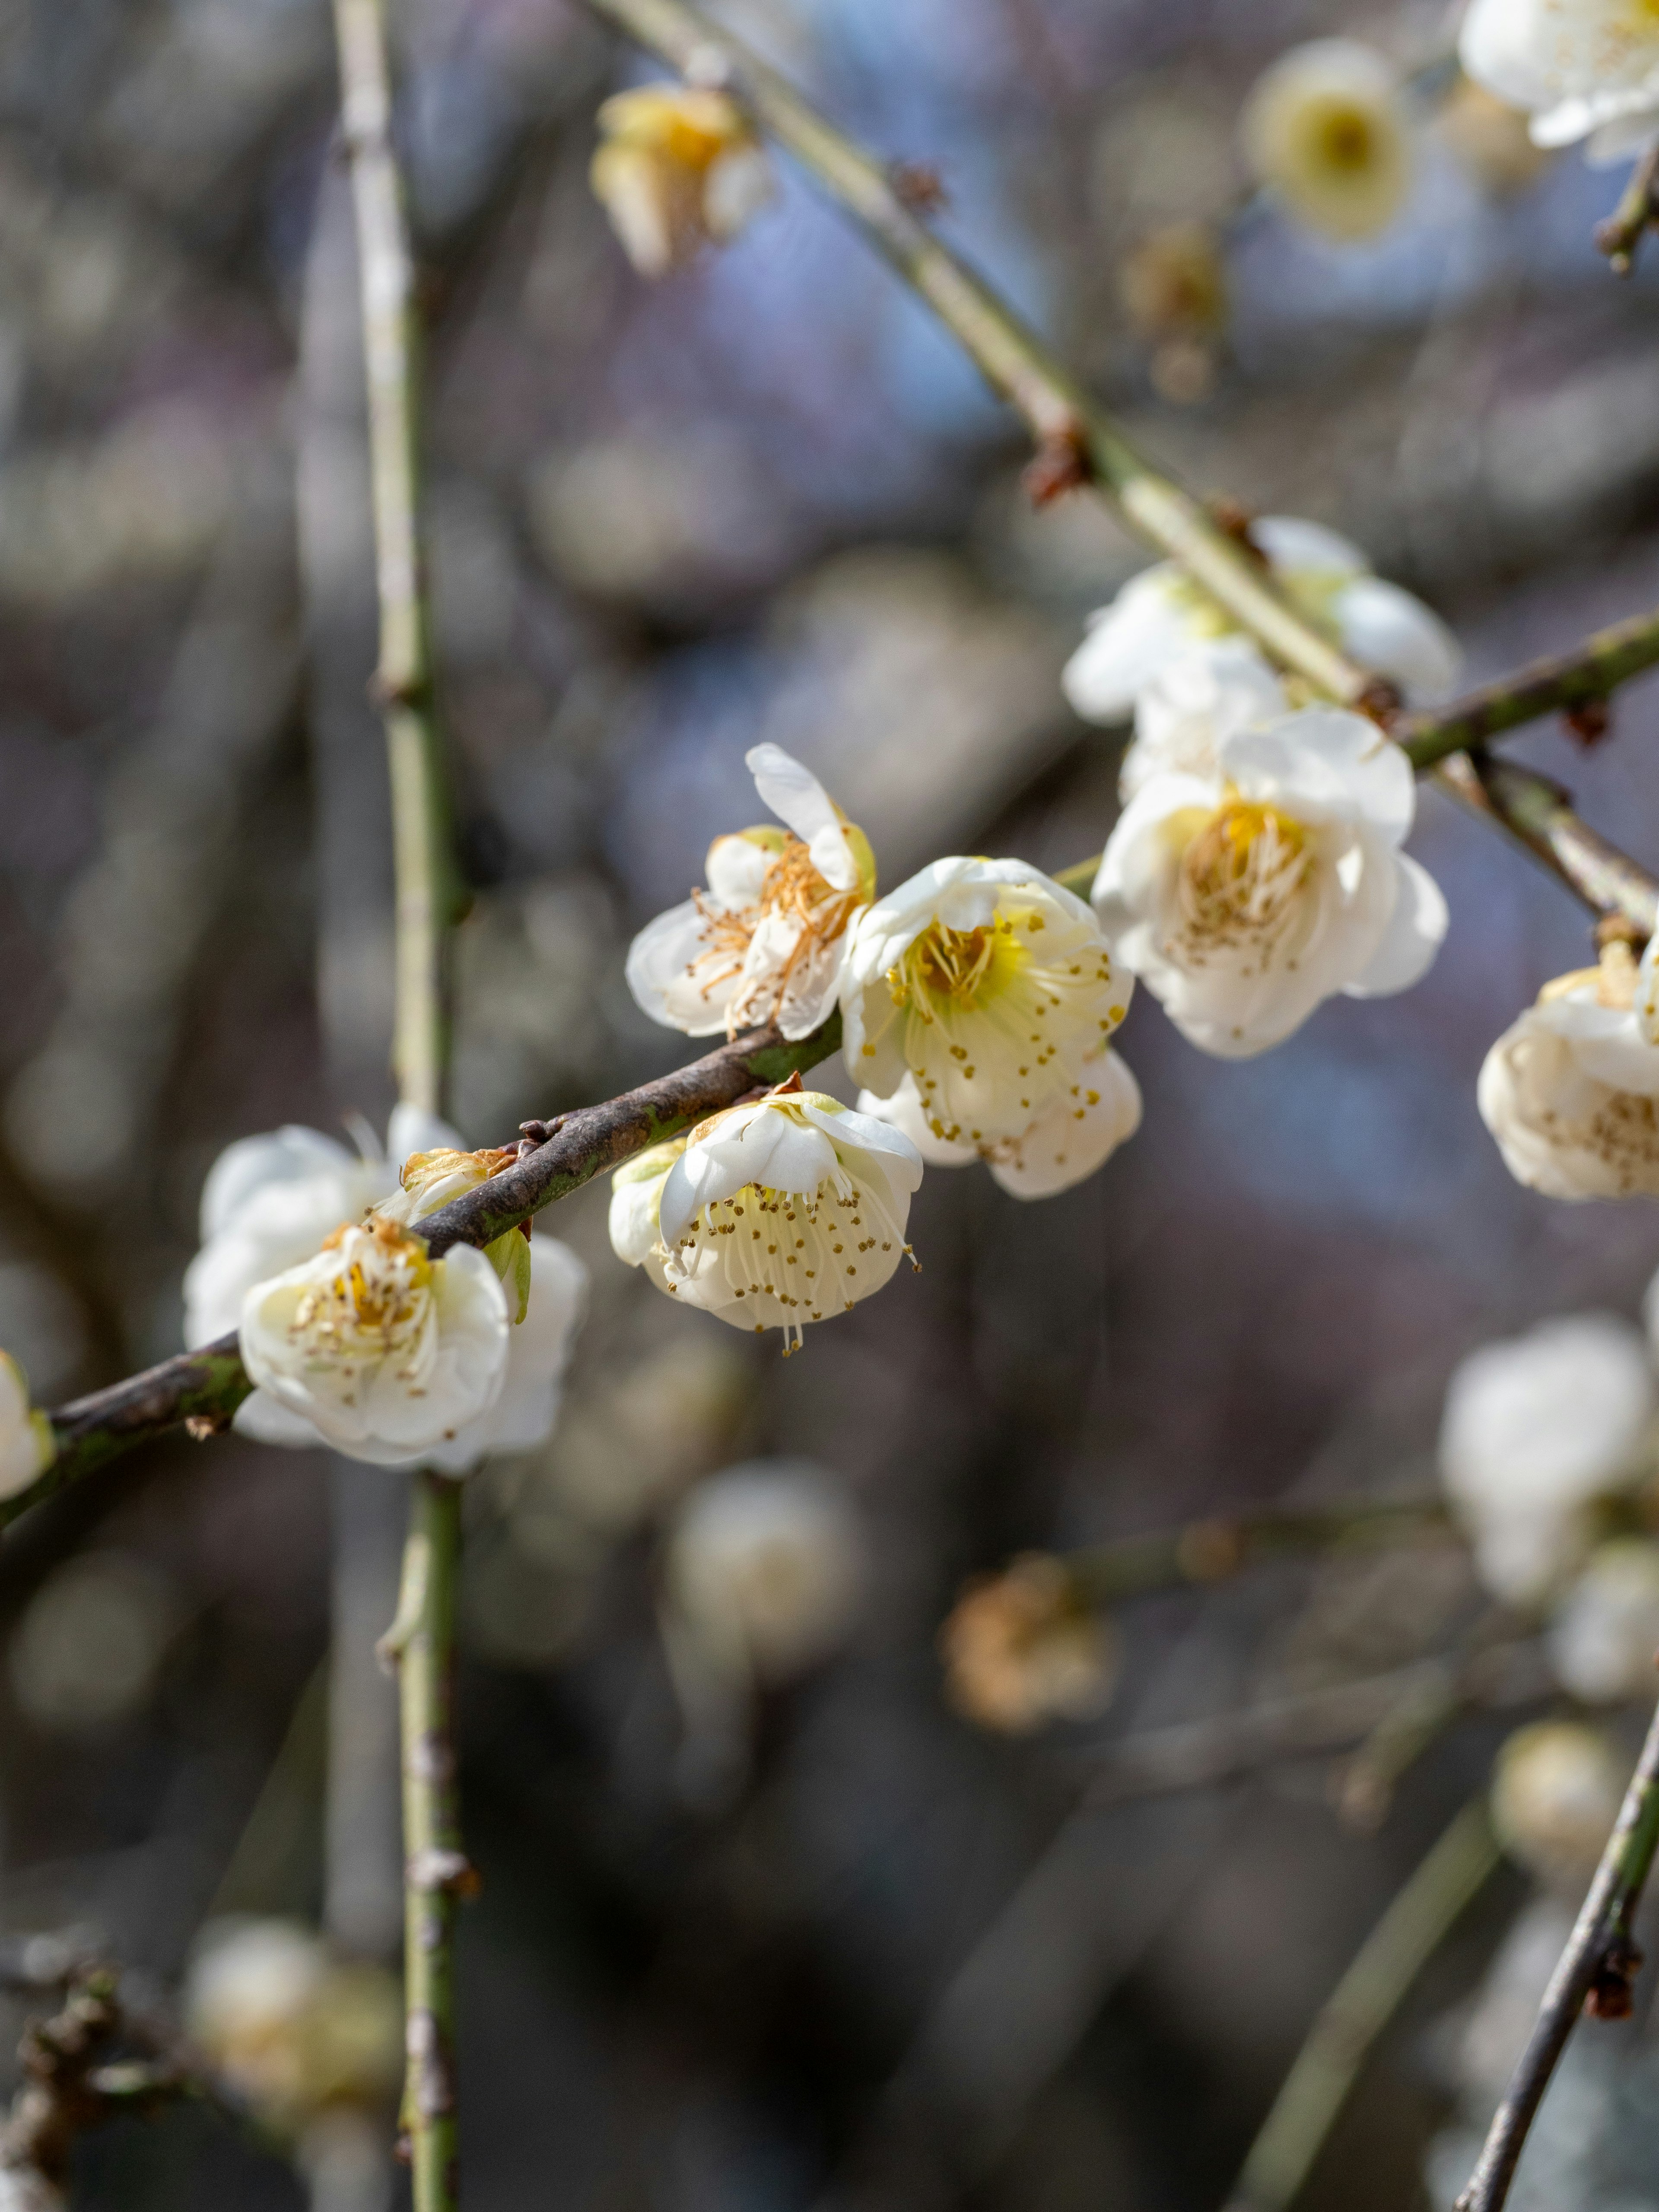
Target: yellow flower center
(378, 1303)
(1346, 138)
(952, 970)
(1241, 874)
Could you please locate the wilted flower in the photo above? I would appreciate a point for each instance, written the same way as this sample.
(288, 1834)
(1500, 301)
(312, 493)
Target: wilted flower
(28, 1446)
(1605, 1635)
(1182, 714)
(991, 988)
(768, 939)
(763, 1567)
(1024, 1647)
(1535, 1430)
(1325, 128)
(774, 1214)
(1555, 1794)
(1244, 899)
(1571, 1090)
(1161, 614)
(678, 170)
(1582, 69)
(387, 1353)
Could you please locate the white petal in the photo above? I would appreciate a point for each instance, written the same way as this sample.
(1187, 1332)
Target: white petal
(1324, 763)
(1069, 1142)
(1149, 624)
(1295, 547)
(539, 1350)
(674, 979)
(798, 798)
(1414, 934)
(903, 1112)
(292, 1154)
(412, 1129)
(735, 871)
(1384, 628)
(854, 1136)
(268, 1421)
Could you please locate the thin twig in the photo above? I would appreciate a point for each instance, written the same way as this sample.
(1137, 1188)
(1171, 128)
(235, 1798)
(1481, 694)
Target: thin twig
(1598, 1963)
(1565, 684)
(1533, 810)
(1210, 1550)
(1359, 2009)
(1637, 211)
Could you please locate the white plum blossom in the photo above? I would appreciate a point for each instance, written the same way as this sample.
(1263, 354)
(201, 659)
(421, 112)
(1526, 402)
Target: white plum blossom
(1581, 68)
(1243, 899)
(1605, 1634)
(387, 1353)
(28, 1446)
(979, 999)
(767, 940)
(1162, 613)
(1326, 129)
(677, 168)
(526, 1410)
(1555, 1795)
(1195, 701)
(774, 1214)
(764, 1563)
(1571, 1090)
(1536, 1429)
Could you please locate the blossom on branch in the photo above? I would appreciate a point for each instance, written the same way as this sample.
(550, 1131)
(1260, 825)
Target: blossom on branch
(1571, 1090)
(28, 1446)
(1581, 68)
(768, 939)
(774, 1214)
(1326, 130)
(1245, 898)
(678, 169)
(764, 1563)
(1605, 1633)
(386, 1352)
(978, 1001)
(1162, 615)
(1556, 1792)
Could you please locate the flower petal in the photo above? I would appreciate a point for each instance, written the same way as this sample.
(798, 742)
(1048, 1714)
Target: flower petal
(1414, 934)
(1071, 1140)
(797, 797)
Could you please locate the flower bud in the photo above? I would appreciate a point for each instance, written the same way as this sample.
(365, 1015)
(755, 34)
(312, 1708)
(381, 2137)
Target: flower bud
(1555, 1794)
(764, 1564)
(1605, 1637)
(678, 170)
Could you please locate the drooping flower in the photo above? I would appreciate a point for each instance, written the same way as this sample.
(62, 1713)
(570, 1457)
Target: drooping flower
(774, 1214)
(1571, 1090)
(1161, 614)
(768, 939)
(1205, 695)
(1326, 130)
(1556, 1792)
(387, 1353)
(1581, 68)
(764, 1563)
(678, 169)
(1605, 1635)
(1024, 1647)
(989, 989)
(28, 1446)
(1536, 1429)
(1244, 900)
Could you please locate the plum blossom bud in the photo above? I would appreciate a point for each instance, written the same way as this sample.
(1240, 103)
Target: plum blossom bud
(764, 1563)
(1161, 615)
(1536, 1429)
(1244, 899)
(1571, 1090)
(1326, 130)
(1024, 1647)
(28, 1446)
(978, 999)
(387, 1353)
(678, 170)
(774, 1214)
(1555, 1794)
(1589, 70)
(1605, 1635)
(768, 939)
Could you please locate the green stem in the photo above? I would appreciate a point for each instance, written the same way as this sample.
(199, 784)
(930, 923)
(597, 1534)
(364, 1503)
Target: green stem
(1562, 684)
(1210, 1551)
(1360, 2007)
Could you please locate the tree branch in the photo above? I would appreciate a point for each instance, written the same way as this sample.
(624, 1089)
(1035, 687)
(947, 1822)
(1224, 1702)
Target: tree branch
(1621, 235)
(1562, 684)
(1533, 810)
(1209, 1551)
(1598, 1963)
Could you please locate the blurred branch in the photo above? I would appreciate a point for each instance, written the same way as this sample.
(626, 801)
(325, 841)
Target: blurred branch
(1533, 810)
(1564, 683)
(1637, 211)
(1598, 1965)
(1210, 1550)
(1360, 2007)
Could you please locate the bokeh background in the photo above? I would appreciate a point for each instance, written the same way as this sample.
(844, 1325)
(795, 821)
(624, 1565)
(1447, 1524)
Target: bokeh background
(899, 1962)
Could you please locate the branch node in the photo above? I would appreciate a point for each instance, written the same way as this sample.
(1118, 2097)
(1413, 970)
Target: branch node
(437, 1872)
(201, 1426)
(1588, 722)
(917, 186)
(1061, 464)
(1612, 1995)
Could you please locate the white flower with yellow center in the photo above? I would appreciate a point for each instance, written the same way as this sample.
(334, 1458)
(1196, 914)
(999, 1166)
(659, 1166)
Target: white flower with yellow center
(1325, 128)
(1161, 615)
(771, 1215)
(387, 1353)
(28, 1446)
(1244, 899)
(978, 999)
(1581, 68)
(768, 939)
(677, 169)
(1571, 1090)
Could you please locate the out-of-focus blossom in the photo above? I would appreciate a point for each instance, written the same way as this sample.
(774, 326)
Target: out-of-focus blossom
(91, 1642)
(1535, 1430)
(1581, 68)
(1024, 1647)
(28, 1446)
(1206, 694)
(778, 1214)
(678, 169)
(989, 989)
(1160, 615)
(1243, 899)
(1326, 130)
(1174, 288)
(1571, 1090)
(764, 1563)
(387, 1353)
(767, 940)
(1490, 137)
(1555, 1794)
(1605, 1635)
